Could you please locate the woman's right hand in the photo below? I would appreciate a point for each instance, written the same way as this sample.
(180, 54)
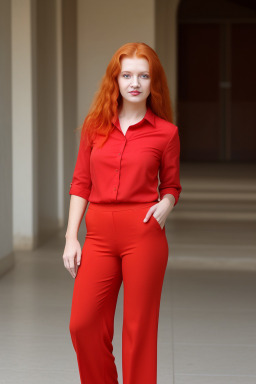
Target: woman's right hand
(72, 255)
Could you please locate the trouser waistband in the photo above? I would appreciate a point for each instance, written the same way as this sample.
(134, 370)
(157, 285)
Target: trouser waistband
(121, 206)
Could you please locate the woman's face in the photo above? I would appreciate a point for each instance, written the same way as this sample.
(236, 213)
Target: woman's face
(134, 79)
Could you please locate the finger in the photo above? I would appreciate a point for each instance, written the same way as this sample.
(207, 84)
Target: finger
(79, 257)
(156, 218)
(68, 266)
(148, 214)
(72, 266)
(73, 274)
(65, 262)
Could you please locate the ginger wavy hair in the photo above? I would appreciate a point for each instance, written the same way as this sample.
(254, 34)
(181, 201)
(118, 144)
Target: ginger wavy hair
(108, 100)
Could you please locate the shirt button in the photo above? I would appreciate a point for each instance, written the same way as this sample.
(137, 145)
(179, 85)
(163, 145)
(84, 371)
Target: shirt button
(116, 170)
(115, 189)
(119, 154)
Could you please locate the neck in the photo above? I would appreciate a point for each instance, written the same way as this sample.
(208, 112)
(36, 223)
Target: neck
(132, 111)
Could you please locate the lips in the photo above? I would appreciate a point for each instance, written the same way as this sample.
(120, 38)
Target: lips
(134, 92)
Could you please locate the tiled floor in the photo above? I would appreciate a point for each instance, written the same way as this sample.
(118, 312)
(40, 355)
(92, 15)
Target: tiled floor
(207, 324)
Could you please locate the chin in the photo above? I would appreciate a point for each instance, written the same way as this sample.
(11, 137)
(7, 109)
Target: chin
(136, 99)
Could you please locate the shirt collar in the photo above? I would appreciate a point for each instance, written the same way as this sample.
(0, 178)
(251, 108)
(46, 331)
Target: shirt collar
(149, 116)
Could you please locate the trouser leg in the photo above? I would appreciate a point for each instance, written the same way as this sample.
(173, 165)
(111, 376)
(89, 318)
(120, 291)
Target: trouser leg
(94, 300)
(144, 262)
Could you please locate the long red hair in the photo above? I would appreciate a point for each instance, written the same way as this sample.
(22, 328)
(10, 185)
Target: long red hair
(108, 99)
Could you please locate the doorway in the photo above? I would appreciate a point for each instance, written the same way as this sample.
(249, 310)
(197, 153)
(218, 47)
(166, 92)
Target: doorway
(216, 109)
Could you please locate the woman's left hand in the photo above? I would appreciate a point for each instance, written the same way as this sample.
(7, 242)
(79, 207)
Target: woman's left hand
(161, 210)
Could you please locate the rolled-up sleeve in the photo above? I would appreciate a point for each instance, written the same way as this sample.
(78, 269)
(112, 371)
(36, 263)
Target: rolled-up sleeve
(81, 182)
(169, 171)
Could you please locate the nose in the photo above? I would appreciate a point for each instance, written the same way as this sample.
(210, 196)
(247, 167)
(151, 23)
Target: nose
(135, 82)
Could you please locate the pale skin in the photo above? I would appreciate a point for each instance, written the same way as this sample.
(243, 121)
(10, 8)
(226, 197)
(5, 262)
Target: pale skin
(134, 75)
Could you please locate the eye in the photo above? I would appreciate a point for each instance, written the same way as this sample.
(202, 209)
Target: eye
(145, 76)
(125, 74)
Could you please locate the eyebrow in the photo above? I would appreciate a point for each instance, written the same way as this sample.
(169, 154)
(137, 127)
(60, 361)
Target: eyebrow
(139, 72)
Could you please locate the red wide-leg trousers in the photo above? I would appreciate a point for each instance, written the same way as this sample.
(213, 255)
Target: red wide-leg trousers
(119, 247)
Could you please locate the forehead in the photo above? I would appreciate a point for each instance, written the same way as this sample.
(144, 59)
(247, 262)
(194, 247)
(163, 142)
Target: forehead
(134, 64)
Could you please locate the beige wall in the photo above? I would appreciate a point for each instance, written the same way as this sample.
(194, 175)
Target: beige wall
(6, 224)
(44, 114)
(23, 124)
(69, 95)
(56, 110)
(166, 43)
(47, 118)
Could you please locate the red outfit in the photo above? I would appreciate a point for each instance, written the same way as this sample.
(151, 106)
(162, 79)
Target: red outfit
(120, 181)
(126, 168)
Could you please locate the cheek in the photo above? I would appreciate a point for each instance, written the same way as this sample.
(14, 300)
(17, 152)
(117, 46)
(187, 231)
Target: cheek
(148, 88)
(122, 85)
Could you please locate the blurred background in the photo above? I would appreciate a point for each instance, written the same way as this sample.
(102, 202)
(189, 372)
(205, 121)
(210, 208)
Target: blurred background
(53, 54)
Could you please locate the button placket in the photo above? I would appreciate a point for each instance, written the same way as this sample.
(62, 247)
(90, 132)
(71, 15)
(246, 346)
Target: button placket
(117, 170)
(116, 176)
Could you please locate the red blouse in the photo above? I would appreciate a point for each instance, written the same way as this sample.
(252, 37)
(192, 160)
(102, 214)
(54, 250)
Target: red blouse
(126, 168)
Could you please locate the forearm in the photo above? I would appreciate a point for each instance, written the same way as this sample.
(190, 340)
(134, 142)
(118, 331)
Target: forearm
(77, 208)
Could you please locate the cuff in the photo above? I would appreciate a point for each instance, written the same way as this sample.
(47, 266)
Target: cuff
(78, 191)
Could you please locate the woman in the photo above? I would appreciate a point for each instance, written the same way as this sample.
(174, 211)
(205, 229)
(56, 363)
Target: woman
(127, 140)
